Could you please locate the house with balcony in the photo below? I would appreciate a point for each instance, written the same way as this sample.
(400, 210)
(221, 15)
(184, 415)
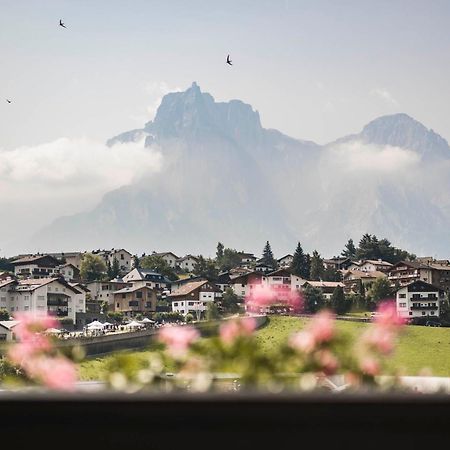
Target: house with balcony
(134, 300)
(35, 266)
(101, 291)
(244, 283)
(337, 263)
(247, 258)
(405, 272)
(52, 296)
(370, 265)
(124, 258)
(357, 281)
(418, 299)
(194, 297)
(146, 277)
(280, 282)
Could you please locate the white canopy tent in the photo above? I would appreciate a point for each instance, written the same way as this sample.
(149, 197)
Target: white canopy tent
(134, 324)
(95, 325)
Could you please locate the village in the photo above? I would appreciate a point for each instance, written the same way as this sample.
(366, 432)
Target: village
(113, 290)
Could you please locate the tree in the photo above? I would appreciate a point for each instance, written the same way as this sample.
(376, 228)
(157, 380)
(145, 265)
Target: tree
(229, 260)
(380, 290)
(339, 303)
(212, 312)
(314, 299)
(109, 270)
(5, 265)
(136, 262)
(317, 268)
(219, 252)
(331, 274)
(206, 268)
(4, 314)
(159, 265)
(92, 267)
(115, 269)
(299, 264)
(267, 257)
(230, 302)
(349, 250)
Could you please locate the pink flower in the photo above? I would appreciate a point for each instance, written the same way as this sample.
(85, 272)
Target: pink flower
(322, 326)
(20, 352)
(178, 339)
(31, 323)
(302, 341)
(388, 315)
(327, 361)
(370, 366)
(295, 301)
(380, 339)
(56, 373)
(234, 329)
(260, 296)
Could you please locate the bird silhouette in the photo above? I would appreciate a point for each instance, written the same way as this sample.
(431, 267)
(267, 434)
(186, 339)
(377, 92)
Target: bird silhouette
(61, 24)
(229, 60)
(8, 100)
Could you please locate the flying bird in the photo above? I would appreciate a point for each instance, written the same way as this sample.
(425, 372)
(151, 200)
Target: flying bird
(61, 23)
(8, 100)
(229, 60)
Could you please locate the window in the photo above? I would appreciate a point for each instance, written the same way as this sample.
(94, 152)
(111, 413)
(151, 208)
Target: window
(402, 295)
(402, 305)
(118, 305)
(139, 294)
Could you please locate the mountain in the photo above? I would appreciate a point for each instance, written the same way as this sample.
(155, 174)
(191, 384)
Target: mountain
(226, 178)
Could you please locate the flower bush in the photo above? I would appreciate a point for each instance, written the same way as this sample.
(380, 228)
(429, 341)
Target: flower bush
(233, 358)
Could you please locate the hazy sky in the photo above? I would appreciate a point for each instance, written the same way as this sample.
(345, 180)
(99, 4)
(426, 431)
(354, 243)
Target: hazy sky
(313, 69)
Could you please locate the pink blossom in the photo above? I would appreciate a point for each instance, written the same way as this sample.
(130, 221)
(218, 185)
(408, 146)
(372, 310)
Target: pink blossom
(387, 316)
(328, 362)
(381, 339)
(295, 301)
(31, 323)
(370, 366)
(260, 296)
(178, 339)
(322, 326)
(234, 329)
(56, 373)
(23, 351)
(303, 341)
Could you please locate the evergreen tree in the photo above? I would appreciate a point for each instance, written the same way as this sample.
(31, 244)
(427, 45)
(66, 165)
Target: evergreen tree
(136, 262)
(115, 269)
(349, 250)
(314, 299)
(338, 301)
(109, 270)
(219, 252)
(299, 264)
(267, 258)
(308, 265)
(206, 268)
(317, 269)
(230, 301)
(229, 260)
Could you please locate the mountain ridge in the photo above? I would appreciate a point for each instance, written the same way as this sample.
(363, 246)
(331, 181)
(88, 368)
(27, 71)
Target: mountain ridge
(225, 177)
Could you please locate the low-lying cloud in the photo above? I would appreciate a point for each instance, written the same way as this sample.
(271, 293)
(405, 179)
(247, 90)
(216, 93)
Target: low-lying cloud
(65, 176)
(371, 159)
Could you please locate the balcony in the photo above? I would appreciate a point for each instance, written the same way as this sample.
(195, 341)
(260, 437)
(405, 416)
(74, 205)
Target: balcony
(424, 308)
(133, 303)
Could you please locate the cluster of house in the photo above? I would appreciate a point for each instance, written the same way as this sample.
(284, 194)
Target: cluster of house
(51, 283)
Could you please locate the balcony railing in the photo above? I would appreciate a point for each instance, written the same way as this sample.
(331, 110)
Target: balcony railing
(425, 307)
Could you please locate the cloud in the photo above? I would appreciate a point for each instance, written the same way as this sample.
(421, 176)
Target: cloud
(40, 183)
(384, 95)
(358, 156)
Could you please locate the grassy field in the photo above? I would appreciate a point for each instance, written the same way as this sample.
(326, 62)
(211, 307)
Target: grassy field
(419, 347)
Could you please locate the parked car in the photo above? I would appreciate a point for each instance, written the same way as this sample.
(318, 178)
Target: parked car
(433, 323)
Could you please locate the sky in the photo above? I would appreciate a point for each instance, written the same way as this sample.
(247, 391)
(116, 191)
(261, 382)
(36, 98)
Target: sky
(315, 70)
